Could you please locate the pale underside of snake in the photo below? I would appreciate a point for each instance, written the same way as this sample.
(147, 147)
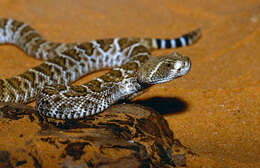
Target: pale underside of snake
(133, 70)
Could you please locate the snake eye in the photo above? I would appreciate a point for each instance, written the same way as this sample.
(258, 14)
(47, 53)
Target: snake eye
(169, 64)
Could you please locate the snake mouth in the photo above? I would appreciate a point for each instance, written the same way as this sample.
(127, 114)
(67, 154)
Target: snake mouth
(186, 68)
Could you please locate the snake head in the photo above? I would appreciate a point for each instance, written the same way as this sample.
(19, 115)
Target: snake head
(163, 69)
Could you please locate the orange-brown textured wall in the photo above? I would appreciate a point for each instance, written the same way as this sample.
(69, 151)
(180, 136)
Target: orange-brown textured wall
(221, 118)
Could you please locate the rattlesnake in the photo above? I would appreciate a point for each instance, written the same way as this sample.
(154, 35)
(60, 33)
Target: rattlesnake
(133, 70)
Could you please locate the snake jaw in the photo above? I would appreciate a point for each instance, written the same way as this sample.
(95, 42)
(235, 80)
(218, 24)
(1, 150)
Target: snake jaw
(185, 67)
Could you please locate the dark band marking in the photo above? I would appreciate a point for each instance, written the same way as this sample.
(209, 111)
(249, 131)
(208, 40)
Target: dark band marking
(3, 23)
(178, 42)
(105, 44)
(138, 49)
(36, 45)
(29, 76)
(15, 26)
(87, 47)
(127, 42)
(168, 43)
(95, 86)
(73, 54)
(10, 91)
(186, 38)
(159, 43)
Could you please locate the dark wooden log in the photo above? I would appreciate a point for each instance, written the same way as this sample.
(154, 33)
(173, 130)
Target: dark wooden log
(123, 136)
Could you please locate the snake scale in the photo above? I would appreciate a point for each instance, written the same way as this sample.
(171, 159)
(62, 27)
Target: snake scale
(133, 70)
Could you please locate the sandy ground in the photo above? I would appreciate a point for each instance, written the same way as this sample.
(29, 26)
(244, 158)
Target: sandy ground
(218, 114)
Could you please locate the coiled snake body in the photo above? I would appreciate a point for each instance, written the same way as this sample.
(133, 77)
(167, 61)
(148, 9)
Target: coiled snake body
(133, 70)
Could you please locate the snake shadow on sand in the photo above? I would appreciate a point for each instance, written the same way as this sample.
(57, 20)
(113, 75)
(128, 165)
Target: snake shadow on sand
(165, 105)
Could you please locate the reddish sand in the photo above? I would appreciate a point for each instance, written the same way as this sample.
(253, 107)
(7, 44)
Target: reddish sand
(221, 120)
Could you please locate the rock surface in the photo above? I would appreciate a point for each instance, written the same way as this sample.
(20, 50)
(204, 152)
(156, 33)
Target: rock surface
(123, 136)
